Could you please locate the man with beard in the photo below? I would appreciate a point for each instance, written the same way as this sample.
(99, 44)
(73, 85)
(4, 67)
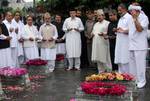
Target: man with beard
(49, 35)
(100, 45)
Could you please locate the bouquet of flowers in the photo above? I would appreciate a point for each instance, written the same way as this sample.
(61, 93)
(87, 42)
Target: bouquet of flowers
(112, 76)
(15, 72)
(36, 62)
(102, 89)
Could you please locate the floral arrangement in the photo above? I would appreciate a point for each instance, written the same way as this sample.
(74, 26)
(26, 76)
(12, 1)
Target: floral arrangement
(110, 76)
(102, 89)
(59, 57)
(36, 62)
(8, 71)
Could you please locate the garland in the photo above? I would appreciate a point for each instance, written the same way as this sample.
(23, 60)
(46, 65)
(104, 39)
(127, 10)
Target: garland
(101, 88)
(59, 57)
(36, 62)
(110, 76)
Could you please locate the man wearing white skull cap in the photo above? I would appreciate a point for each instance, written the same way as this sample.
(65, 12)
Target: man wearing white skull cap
(138, 44)
(100, 45)
(100, 12)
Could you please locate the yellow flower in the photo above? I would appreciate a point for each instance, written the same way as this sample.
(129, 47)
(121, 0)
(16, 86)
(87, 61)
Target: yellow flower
(119, 76)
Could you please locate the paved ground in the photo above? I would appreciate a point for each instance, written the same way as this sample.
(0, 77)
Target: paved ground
(61, 86)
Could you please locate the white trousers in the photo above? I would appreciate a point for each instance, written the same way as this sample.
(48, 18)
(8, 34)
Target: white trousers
(123, 68)
(6, 59)
(51, 64)
(14, 55)
(138, 65)
(74, 62)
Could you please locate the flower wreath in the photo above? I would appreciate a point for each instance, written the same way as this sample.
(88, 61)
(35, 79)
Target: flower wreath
(36, 62)
(110, 76)
(101, 88)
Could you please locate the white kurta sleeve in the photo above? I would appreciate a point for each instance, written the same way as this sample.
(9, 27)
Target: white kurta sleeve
(106, 28)
(81, 27)
(65, 26)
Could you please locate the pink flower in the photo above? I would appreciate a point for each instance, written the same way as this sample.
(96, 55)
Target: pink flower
(9, 71)
(36, 62)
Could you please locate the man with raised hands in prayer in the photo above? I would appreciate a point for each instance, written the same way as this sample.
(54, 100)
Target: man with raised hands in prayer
(138, 44)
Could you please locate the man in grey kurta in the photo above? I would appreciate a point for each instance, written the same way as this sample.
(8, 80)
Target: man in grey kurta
(88, 29)
(72, 28)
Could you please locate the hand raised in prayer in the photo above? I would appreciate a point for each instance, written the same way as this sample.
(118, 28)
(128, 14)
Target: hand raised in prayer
(100, 34)
(31, 39)
(59, 40)
(120, 30)
(76, 29)
(21, 40)
(11, 29)
(134, 14)
(44, 39)
(50, 39)
(16, 30)
(114, 29)
(69, 29)
(37, 39)
(105, 36)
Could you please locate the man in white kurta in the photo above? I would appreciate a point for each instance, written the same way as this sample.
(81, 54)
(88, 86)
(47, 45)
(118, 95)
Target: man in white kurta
(19, 31)
(72, 27)
(14, 42)
(100, 46)
(138, 44)
(48, 34)
(122, 40)
(30, 37)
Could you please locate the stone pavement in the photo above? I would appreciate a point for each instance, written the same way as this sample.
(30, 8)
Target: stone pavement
(61, 86)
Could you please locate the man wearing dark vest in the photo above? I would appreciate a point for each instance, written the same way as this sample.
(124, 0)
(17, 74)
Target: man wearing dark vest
(5, 52)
